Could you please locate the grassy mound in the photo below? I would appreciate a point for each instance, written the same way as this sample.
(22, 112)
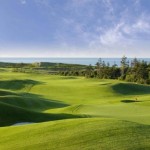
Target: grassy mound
(76, 134)
(131, 89)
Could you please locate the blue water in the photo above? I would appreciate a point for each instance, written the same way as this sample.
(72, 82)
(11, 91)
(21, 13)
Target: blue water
(83, 61)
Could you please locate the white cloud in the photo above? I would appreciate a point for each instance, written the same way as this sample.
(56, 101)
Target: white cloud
(142, 26)
(122, 33)
(112, 35)
(120, 30)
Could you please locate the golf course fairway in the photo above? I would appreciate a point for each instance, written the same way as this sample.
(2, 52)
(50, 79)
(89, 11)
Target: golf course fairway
(72, 113)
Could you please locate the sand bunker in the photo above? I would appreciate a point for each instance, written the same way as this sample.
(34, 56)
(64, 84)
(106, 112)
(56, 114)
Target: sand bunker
(22, 123)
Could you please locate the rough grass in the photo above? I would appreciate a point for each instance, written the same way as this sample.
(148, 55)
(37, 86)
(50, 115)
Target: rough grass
(118, 112)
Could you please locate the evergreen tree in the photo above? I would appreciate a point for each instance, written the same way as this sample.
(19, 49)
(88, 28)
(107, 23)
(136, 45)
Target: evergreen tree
(99, 68)
(89, 71)
(124, 67)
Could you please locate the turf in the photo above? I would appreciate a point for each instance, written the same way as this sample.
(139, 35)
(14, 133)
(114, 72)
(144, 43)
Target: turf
(72, 113)
(77, 134)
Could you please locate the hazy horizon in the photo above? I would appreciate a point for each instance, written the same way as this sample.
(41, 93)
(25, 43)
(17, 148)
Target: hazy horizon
(80, 57)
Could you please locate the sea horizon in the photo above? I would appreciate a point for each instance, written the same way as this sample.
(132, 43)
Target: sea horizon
(68, 60)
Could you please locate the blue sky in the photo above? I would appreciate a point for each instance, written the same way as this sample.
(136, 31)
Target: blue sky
(74, 28)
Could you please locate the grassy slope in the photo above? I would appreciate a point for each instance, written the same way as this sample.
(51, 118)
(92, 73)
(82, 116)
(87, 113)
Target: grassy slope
(43, 98)
(83, 134)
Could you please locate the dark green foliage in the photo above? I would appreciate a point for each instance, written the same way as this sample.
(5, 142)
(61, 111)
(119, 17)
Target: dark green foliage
(89, 72)
(124, 67)
(138, 72)
(135, 71)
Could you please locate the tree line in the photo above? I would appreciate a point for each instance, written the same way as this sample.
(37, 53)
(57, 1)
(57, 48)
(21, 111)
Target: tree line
(134, 71)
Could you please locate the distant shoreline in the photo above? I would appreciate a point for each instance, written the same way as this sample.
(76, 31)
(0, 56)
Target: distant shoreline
(82, 61)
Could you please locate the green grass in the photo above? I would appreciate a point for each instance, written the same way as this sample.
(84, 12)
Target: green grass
(76, 134)
(72, 113)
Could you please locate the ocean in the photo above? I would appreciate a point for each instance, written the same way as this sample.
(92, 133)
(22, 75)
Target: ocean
(83, 61)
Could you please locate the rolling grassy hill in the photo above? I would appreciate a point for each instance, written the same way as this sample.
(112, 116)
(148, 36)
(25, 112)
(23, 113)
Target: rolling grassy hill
(72, 113)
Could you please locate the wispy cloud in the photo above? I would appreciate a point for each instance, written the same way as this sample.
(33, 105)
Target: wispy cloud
(109, 5)
(112, 36)
(23, 1)
(124, 32)
(117, 27)
(94, 25)
(142, 25)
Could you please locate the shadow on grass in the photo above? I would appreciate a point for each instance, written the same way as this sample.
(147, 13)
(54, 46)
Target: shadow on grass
(67, 77)
(18, 84)
(10, 115)
(4, 93)
(131, 89)
(130, 101)
(105, 83)
(30, 101)
(27, 107)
